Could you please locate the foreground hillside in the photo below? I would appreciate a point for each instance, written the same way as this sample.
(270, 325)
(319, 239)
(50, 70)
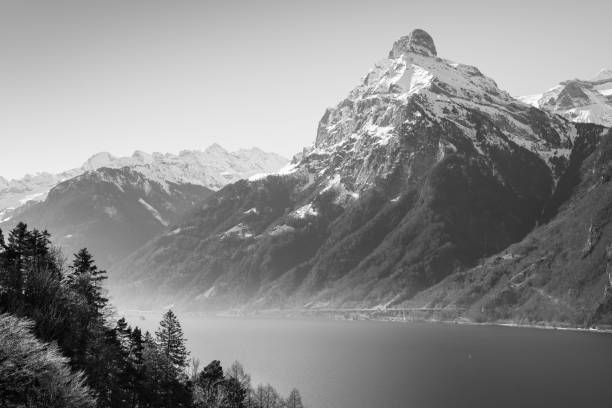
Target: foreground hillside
(426, 168)
(60, 346)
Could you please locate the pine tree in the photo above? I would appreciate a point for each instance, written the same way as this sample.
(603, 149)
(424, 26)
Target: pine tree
(173, 359)
(87, 279)
(84, 282)
(136, 366)
(124, 334)
(171, 342)
(152, 372)
(38, 251)
(14, 262)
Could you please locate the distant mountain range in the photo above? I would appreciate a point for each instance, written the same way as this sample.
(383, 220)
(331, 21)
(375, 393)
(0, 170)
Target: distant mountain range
(427, 185)
(586, 101)
(115, 205)
(212, 168)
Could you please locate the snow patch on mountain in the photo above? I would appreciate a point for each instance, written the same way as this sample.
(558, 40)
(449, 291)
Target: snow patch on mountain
(153, 212)
(305, 211)
(278, 230)
(110, 211)
(240, 231)
(32, 197)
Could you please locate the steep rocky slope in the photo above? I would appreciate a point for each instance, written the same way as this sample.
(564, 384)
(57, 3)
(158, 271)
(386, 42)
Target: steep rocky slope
(586, 101)
(424, 169)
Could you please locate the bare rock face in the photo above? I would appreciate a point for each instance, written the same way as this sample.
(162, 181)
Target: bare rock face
(418, 41)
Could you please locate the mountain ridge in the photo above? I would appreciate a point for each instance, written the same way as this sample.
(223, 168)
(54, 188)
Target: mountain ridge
(425, 168)
(584, 101)
(212, 168)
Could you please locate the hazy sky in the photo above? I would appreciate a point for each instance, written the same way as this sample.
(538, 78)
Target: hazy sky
(78, 77)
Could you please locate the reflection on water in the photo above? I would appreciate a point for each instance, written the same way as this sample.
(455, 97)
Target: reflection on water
(346, 364)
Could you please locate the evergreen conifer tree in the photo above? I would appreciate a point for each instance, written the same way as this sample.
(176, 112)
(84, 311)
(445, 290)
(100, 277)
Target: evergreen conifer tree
(171, 342)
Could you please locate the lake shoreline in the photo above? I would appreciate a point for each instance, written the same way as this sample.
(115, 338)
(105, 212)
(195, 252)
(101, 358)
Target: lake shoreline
(314, 314)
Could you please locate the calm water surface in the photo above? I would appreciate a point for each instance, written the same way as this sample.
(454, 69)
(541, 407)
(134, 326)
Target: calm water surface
(344, 364)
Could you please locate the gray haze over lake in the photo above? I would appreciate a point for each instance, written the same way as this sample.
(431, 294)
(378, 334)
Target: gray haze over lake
(366, 364)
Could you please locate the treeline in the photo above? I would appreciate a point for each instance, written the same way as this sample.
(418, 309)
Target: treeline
(59, 348)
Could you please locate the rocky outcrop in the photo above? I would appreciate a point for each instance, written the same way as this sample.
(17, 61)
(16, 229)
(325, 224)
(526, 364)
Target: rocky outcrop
(418, 42)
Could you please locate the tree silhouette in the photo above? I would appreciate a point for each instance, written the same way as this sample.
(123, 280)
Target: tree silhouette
(171, 341)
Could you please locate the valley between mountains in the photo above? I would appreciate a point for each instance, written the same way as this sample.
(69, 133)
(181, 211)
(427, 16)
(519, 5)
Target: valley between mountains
(427, 187)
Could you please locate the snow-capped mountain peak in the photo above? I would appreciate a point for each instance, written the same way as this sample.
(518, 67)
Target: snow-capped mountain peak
(604, 74)
(579, 100)
(414, 87)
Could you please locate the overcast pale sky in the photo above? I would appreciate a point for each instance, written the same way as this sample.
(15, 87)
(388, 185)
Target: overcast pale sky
(83, 76)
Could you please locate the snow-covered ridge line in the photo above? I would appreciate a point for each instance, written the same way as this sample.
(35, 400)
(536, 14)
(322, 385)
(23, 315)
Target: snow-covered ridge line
(213, 167)
(585, 101)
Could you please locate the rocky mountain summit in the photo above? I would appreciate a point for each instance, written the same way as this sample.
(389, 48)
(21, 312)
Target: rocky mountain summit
(586, 101)
(418, 42)
(422, 171)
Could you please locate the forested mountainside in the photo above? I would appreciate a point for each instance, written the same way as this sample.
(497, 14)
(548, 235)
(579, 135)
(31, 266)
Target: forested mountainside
(62, 347)
(425, 169)
(561, 272)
